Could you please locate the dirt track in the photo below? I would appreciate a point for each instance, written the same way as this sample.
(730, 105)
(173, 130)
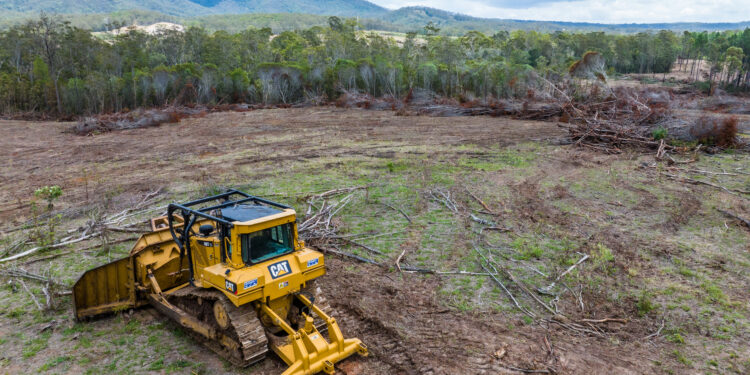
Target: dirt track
(411, 332)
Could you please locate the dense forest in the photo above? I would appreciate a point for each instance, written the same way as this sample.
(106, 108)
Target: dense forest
(49, 66)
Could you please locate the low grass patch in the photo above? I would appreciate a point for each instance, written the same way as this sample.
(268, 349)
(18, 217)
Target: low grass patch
(34, 345)
(55, 362)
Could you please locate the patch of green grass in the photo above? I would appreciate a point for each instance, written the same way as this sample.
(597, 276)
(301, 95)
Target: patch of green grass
(178, 332)
(16, 313)
(533, 247)
(602, 258)
(603, 254)
(533, 252)
(84, 342)
(684, 271)
(77, 328)
(714, 293)
(153, 339)
(462, 293)
(600, 185)
(157, 365)
(111, 366)
(398, 166)
(496, 161)
(178, 365)
(681, 358)
(676, 338)
(133, 327)
(55, 362)
(35, 345)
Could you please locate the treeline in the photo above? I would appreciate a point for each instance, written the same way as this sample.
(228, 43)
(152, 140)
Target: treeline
(49, 66)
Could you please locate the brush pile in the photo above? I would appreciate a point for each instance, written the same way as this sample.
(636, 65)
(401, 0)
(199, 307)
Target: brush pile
(625, 117)
(133, 120)
(356, 99)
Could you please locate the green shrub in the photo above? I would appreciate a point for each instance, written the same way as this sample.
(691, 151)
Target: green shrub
(645, 305)
(676, 338)
(659, 133)
(49, 193)
(681, 358)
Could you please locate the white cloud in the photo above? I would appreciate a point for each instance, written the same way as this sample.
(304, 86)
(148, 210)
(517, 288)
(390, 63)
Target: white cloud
(602, 11)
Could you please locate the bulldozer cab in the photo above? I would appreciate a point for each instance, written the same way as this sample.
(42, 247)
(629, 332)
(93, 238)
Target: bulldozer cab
(260, 241)
(237, 233)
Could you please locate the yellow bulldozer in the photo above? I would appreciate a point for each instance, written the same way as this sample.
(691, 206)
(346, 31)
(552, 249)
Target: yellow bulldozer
(232, 270)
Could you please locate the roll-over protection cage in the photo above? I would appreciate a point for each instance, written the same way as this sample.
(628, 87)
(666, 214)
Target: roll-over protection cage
(190, 215)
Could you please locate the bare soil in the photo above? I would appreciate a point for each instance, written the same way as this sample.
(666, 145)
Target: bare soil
(138, 160)
(405, 319)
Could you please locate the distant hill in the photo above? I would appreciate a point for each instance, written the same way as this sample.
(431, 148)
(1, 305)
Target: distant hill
(413, 18)
(193, 8)
(170, 7)
(236, 15)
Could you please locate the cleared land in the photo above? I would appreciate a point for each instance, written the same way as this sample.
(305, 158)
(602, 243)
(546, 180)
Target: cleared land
(660, 254)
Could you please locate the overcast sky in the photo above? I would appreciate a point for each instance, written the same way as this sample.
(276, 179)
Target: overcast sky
(604, 11)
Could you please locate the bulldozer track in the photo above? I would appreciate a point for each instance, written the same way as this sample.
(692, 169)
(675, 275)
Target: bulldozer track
(245, 331)
(391, 349)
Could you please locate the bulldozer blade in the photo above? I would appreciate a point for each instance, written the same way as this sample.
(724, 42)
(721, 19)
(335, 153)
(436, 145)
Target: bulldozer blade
(306, 350)
(105, 289)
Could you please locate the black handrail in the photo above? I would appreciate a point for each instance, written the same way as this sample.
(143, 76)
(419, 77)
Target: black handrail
(189, 211)
(226, 195)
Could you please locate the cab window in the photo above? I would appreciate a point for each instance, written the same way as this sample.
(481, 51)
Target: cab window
(266, 244)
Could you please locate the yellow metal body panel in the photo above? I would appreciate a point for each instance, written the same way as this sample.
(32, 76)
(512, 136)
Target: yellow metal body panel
(255, 282)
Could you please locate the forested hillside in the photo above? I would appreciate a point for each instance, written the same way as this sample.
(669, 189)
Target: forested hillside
(51, 67)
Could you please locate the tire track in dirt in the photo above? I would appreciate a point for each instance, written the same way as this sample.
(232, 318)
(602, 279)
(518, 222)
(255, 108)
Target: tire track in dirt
(398, 316)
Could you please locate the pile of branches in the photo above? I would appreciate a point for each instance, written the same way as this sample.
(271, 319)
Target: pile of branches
(356, 99)
(141, 118)
(520, 109)
(604, 118)
(625, 117)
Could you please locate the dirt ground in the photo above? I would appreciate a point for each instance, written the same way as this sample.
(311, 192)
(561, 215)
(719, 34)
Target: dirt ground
(661, 257)
(194, 150)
